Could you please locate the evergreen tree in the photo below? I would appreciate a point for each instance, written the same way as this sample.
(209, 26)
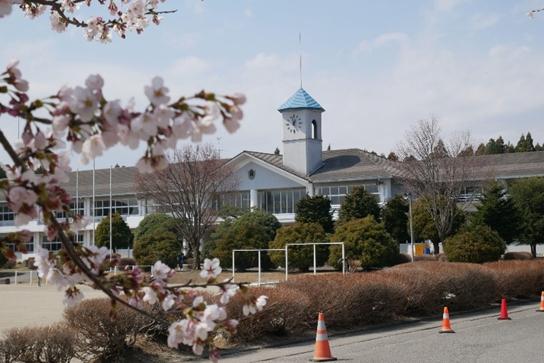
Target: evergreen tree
(277, 151)
(529, 143)
(468, 151)
(359, 204)
(121, 234)
(392, 156)
(538, 147)
(494, 146)
(315, 209)
(509, 148)
(481, 149)
(498, 211)
(528, 195)
(395, 218)
(156, 239)
(521, 145)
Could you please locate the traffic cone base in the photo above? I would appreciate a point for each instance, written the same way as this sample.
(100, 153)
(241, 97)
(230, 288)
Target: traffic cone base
(322, 352)
(541, 307)
(504, 311)
(446, 326)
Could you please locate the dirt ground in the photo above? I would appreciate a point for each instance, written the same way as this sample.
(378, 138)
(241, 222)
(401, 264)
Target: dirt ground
(184, 276)
(24, 305)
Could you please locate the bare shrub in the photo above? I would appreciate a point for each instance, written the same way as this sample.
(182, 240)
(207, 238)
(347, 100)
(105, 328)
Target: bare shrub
(49, 344)
(518, 278)
(351, 300)
(432, 285)
(102, 332)
(518, 256)
(285, 314)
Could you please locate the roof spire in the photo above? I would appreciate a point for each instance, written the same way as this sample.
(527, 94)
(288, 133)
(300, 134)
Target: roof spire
(300, 57)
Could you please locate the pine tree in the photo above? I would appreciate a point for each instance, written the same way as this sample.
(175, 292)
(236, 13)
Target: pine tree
(316, 209)
(359, 204)
(481, 149)
(121, 233)
(498, 211)
(277, 151)
(395, 218)
(392, 156)
(538, 147)
(529, 143)
(521, 145)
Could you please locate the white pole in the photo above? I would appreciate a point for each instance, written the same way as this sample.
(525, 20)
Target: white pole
(286, 264)
(343, 260)
(233, 266)
(93, 206)
(259, 266)
(77, 202)
(111, 231)
(411, 227)
(315, 261)
(15, 277)
(31, 277)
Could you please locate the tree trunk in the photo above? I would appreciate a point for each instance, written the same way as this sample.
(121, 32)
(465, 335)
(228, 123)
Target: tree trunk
(533, 250)
(196, 255)
(436, 247)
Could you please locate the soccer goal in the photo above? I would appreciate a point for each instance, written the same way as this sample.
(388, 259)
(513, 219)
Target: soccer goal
(286, 251)
(259, 270)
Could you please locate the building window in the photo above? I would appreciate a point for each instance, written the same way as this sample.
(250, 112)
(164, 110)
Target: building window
(75, 209)
(124, 207)
(280, 201)
(52, 245)
(7, 217)
(314, 130)
(29, 246)
(337, 193)
(233, 199)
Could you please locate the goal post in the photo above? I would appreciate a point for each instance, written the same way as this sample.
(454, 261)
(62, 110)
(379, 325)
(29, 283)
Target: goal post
(286, 251)
(258, 250)
(314, 244)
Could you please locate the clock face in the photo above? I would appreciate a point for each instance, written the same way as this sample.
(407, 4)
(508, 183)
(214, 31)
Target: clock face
(293, 123)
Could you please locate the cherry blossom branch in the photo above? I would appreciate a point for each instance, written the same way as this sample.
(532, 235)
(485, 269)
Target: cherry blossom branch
(124, 15)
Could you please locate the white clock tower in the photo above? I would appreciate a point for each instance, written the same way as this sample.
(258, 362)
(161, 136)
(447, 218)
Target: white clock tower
(302, 144)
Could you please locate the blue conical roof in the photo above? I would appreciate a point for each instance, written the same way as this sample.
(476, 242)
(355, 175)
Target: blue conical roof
(301, 99)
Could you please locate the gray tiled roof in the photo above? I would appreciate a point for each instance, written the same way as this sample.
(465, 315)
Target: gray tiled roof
(511, 165)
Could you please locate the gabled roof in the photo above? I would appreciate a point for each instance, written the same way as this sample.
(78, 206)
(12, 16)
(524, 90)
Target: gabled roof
(338, 165)
(301, 100)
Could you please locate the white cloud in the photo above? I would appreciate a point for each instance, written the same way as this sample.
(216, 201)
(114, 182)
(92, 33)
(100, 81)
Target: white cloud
(381, 40)
(189, 66)
(248, 12)
(447, 5)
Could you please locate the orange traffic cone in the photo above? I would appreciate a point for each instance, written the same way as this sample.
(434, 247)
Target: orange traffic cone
(504, 310)
(322, 352)
(446, 327)
(541, 308)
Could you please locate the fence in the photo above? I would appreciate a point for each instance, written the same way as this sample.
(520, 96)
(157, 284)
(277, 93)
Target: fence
(15, 277)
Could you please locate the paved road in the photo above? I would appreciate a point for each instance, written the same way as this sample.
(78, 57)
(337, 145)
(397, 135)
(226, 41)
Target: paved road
(479, 338)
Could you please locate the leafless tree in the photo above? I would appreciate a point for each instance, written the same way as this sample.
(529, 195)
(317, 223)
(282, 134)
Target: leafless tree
(189, 190)
(436, 171)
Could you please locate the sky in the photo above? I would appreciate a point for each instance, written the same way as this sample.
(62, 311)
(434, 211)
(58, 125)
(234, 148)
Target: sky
(377, 67)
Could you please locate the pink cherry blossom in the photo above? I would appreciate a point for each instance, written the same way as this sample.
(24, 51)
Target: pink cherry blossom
(211, 268)
(157, 93)
(160, 271)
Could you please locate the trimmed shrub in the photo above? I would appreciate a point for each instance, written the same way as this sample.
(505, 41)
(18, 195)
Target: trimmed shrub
(286, 313)
(517, 256)
(49, 344)
(431, 285)
(359, 204)
(316, 209)
(156, 239)
(251, 230)
(121, 234)
(103, 332)
(518, 278)
(477, 245)
(365, 240)
(350, 300)
(300, 257)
